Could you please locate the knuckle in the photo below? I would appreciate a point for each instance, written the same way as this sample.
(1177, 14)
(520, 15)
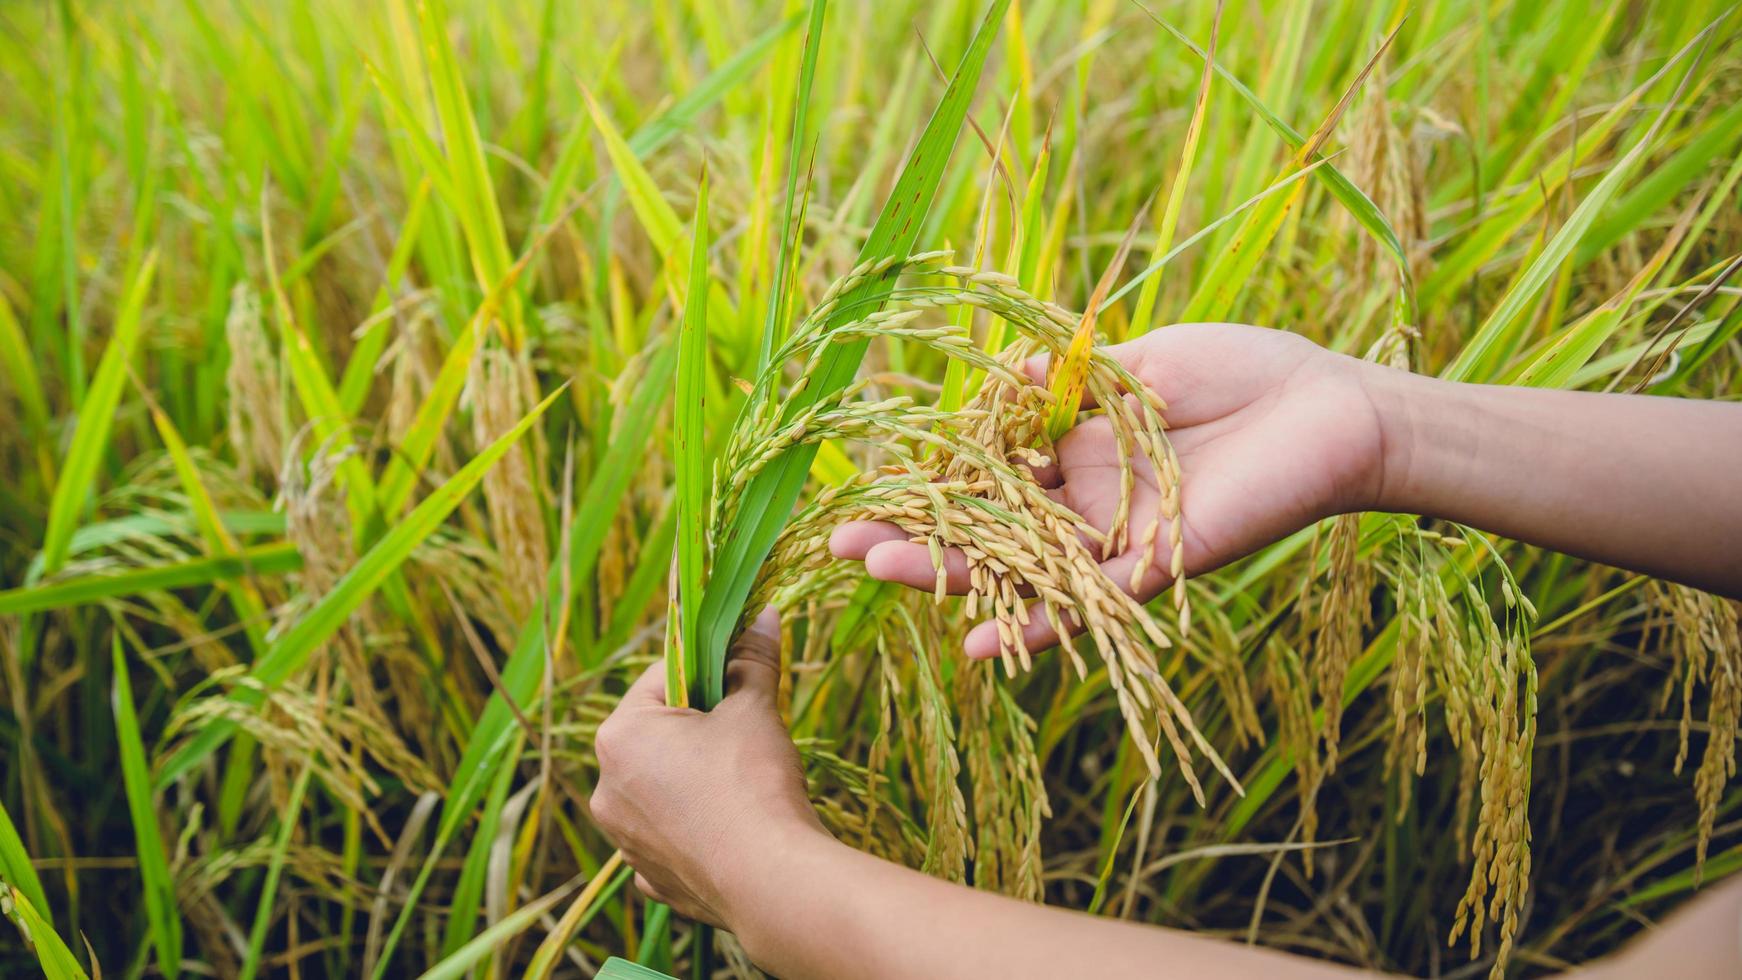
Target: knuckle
(608, 743)
(605, 807)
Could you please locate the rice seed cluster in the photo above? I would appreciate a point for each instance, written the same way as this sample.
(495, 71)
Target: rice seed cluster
(965, 480)
(973, 489)
(1706, 643)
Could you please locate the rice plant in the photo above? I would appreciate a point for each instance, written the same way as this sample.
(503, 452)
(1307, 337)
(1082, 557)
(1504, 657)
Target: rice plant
(389, 384)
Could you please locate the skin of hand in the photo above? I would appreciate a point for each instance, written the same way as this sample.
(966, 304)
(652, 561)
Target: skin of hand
(1274, 433)
(711, 812)
(684, 793)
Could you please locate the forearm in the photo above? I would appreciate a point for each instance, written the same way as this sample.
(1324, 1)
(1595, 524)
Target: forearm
(817, 908)
(1649, 484)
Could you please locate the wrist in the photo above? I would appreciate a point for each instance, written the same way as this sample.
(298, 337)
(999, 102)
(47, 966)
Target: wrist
(1400, 400)
(763, 868)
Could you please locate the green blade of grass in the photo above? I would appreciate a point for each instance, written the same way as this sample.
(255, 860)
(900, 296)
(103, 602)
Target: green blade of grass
(360, 368)
(293, 648)
(52, 954)
(610, 877)
(651, 208)
(622, 458)
(159, 524)
(1658, 189)
(15, 866)
(461, 962)
(1575, 345)
(1358, 204)
(650, 573)
(468, 894)
(15, 357)
(159, 887)
(1483, 243)
(685, 679)
(617, 968)
(419, 443)
(274, 869)
(267, 559)
(1233, 267)
(1472, 360)
(1717, 867)
(96, 416)
(480, 215)
(1286, 183)
(653, 211)
(769, 498)
(774, 323)
(320, 402)
(521, 675)
(491, 737)
(250, 609)
(1169, 218)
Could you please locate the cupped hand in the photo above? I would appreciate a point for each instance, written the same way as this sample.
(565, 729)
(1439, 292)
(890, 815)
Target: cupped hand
(688, 796)
(1272, 431)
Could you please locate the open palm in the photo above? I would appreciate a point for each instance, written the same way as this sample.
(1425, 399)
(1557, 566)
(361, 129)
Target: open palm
(1272, 432)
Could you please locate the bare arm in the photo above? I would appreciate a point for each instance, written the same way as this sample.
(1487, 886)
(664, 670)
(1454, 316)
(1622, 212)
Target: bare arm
(710, 810)
(1650, 484)
(809, 906)
(1274, 432)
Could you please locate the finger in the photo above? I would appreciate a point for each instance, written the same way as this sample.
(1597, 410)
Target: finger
(981, 642)
(648, 690)
(753, 671)
(909, 564)
(1047, 477)
(1037, 368)
(855, 539)
(646, 888)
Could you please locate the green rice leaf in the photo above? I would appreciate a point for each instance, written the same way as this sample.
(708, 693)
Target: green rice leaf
(492, 736)
(769, 498)
(96, 416)
(468, 894)
(1471, 364)
(160, 905)
(1358, 204)
(293, 648)
(359, 371)
(15, 866)
(609, 879)
(268, 559)
(52, 954)
(20, 365)
(480, 216)
(1716, 868)
(654, 211)
(274, 869)
(461, 962)
(775, 322)
(685, 680)
(617, 968)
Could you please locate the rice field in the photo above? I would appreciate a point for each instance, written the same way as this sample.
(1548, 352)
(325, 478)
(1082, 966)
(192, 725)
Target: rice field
(385, 385)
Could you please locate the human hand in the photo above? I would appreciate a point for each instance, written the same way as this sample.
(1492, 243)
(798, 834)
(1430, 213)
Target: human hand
(688, 796)
(1273, 432)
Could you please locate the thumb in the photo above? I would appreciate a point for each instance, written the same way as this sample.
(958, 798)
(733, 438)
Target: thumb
(753, 670)
(1039, 371)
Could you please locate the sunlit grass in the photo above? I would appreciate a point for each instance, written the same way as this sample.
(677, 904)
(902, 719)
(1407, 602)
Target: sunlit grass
(364, 368)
